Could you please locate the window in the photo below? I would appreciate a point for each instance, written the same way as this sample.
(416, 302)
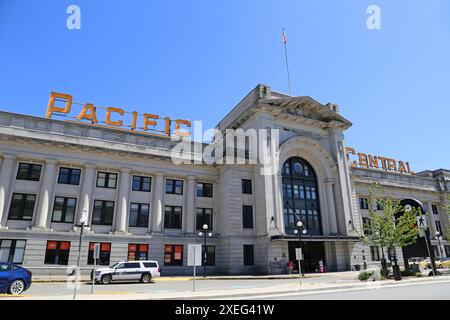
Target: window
(141, 183)
(247, 217)
(22, 206)
(132, 265)
(363, 204)
(374, 253)
(29, 171)
(172, 217)
(434, 209)
(12, 250)
(174, 186)
(366, 226)
(106, 180)
(210, 258)
(204, 189)
(246, 186)
(57, 252)
(105, 253)
(69, 176)
(380, 206)
(150, 264)
(173, 255)
(447, 251)
(248, 255)
(204, 216)
(139, 215)
(438, 227)
(103, 212)
(300, 196)
(137, 251)
(64, 209)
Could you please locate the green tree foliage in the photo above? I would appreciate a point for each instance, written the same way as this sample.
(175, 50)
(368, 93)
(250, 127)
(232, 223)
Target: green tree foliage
(392, 226)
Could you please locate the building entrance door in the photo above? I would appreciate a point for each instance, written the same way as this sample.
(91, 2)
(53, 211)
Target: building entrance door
(313, 252)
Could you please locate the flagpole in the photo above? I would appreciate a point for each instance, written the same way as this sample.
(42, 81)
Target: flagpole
(287, 61)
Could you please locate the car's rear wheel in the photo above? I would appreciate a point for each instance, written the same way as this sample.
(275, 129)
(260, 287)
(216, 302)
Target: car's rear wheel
(16, 287)
(146, 278)
(106, 279)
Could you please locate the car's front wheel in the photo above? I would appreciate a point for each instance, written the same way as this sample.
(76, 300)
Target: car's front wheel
(106, 279)
(146, 278)
(16, 287)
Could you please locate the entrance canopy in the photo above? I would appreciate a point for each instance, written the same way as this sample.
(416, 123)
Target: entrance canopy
(315, 238)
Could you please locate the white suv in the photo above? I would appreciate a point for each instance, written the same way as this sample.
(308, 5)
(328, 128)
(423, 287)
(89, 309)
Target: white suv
(144, 271)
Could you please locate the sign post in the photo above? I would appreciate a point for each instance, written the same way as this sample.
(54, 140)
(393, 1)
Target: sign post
(96, 256)
(82, 225)
(299, 257)
(194, 259)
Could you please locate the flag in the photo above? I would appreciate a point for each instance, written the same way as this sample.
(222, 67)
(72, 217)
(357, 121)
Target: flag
(284, 37)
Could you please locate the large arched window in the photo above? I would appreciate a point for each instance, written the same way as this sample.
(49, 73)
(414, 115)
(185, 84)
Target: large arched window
(300, 196)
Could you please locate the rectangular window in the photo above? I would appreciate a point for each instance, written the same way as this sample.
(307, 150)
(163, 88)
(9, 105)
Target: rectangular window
(22, 206)
(438, 227)
(174, 186)
(103, 212)
(204, 189)
(57, 252)
(139, 213)
(137, 251)
(434, 209)
(29, 171)
(248, 255)
(64, 209)
(141, 183)
(247, 217)
(172, 217)
(246, 186)
(105, 253)
(173, 255)
(210, 258)
(374, 253)
(69, 176)
(380, 206)
(204, 216)
(12, 250)
(366, 226)
(106, 180)
(447, 251)
(363, 204)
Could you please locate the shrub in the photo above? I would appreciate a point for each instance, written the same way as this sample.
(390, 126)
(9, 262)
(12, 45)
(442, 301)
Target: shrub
(364, 275)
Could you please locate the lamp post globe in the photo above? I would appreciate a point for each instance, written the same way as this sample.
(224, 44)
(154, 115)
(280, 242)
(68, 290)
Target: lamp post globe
(205, 227)
(295, 231)
(299, 224)
(304, 231)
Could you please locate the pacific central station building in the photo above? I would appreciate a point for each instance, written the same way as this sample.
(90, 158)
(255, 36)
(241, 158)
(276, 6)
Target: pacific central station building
(140, 205)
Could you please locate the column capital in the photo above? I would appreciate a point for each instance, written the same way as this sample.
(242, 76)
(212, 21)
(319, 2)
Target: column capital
(51, 161)
(9, 156)
(159, 174)
(191, 177)
(125, 169)
(89, 166)
(329, 181)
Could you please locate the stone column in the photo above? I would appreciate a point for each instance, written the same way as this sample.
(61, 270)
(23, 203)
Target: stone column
(279, 216)
(158, 198)
(190, 211)
(124, 198)
(46, 194)
(432, 224)
(6, 173)
(87, 192)
(332, 214)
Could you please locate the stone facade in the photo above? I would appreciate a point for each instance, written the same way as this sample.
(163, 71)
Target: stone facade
(308, 129)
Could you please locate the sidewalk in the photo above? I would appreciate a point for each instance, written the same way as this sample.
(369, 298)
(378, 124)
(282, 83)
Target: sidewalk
(86, 278)
(239, 293)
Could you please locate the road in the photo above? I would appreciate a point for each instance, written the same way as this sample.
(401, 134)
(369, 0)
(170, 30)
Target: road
(422, 291)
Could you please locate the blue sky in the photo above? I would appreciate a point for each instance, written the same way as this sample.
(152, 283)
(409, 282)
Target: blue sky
(196, 59)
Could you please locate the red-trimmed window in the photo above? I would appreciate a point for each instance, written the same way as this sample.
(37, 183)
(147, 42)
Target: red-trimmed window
(137, 251)
(105, 253)
(173, 255)
(57, 252)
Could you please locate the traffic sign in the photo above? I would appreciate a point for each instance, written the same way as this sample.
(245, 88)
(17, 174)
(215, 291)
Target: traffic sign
(422, 222)
(298, 254)
(194, 255)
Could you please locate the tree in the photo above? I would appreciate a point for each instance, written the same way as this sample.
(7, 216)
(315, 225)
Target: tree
(391, 226)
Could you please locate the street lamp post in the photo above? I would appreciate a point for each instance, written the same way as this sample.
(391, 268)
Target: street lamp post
(300, 230)
(82, 225)
(204, 234)
(438, 237)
